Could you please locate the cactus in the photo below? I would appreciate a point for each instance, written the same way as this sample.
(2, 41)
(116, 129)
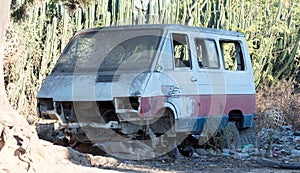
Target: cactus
(271, 28)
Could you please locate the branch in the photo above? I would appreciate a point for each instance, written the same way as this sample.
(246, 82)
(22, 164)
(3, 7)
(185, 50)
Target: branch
(276, 164)
(191, 9)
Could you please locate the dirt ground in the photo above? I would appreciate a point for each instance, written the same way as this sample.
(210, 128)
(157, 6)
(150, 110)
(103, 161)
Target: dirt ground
(195, 164)
(22, 151)
(22, 154)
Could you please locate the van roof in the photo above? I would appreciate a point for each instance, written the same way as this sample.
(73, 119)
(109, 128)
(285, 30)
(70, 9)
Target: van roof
(165, 27)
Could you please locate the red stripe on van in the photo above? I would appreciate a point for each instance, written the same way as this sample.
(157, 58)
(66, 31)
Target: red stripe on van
(203, 105)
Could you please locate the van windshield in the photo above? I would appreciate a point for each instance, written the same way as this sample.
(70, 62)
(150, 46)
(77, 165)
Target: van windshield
(110, 50)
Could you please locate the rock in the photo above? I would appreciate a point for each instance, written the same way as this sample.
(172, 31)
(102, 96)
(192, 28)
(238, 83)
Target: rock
(297, 146)
(295, 153)
(22, 151)
(241, 155)
(128, 150)
(247, 148)
(262, 152)
(287, 128)
(285, 152)
(297, 139)
(297, 133)
(201, 151)
(277, 139)
(225, 150)
(276, 151)
(212, 152)
(254, 152)
(286, 139)
(226, 154)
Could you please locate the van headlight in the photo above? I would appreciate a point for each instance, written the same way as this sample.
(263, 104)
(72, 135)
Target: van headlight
(127, 103)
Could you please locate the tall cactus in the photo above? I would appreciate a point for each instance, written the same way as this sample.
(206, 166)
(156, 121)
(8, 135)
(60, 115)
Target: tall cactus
(271, 29)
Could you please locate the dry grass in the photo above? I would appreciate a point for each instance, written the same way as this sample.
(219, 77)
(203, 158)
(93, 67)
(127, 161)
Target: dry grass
(283, 100)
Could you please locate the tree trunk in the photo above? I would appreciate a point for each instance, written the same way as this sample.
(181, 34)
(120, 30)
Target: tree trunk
(8, 115)
(4, 21)
(15, 133)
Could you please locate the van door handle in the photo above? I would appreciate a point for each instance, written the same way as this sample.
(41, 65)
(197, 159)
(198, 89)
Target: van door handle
(193, 79)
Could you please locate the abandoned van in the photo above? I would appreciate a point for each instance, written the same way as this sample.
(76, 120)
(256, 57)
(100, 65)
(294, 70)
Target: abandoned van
(150, 90)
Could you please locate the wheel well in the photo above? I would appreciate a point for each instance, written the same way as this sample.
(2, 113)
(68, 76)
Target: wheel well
(164, 120)
(170, 114)
(162, 110)
(236, 116)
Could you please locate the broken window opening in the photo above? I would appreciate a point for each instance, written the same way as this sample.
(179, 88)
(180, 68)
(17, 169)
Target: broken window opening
(232, 55)
(207, 53)
(181, 51)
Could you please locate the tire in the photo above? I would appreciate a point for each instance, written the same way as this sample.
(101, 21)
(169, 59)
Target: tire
(248, 137)
(230, 138)
(173, 153)
(186, 151)
(167, 127)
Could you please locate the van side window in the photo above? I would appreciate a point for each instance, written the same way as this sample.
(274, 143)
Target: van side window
(207, 53)
(232, 55)
(181, 50)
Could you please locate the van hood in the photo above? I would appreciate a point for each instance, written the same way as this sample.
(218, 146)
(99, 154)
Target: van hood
(97, 87)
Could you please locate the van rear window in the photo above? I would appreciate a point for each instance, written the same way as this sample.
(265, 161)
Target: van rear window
(232, 55)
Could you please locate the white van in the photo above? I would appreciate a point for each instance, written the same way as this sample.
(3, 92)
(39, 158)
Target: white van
(162, 85)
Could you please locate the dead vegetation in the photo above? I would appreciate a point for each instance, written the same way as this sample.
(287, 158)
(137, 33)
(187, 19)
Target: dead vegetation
(278, 105)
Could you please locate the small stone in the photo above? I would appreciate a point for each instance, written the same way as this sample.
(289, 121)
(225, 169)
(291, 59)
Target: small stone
(232, 152)
(262, 152)
(297, 133)
(290, 139)
(286, 159)
(277, 145)
(242, 155)
(225, 150)
(254, 152)
(284, 152)
(276, 149)
(201, 151)
(286, 128)
(297, 139)
(226, 154)
(286, 139)
(212, 152)
(203, 157)
(295, 153)
(297, 147)
(277, 139)
(238, 150)
(247, 148)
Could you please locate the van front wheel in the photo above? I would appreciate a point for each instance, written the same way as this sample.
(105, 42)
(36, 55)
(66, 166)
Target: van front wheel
(164, 128)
